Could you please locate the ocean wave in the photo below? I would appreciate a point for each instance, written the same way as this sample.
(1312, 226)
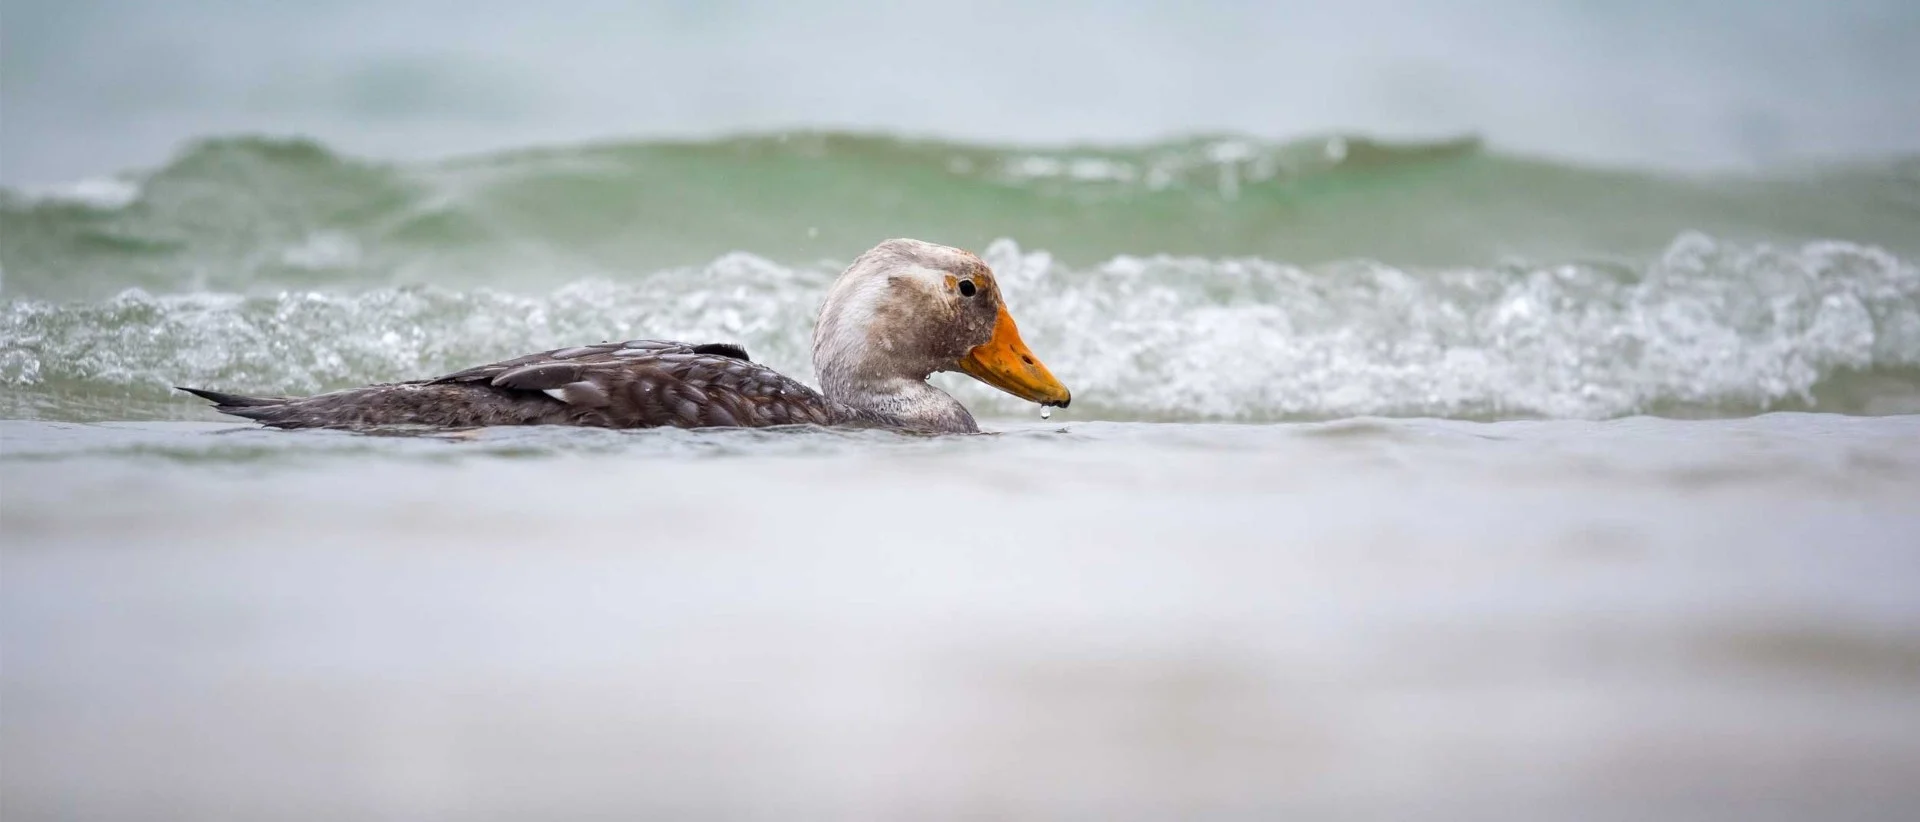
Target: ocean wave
(1707, 327)
(258, 216)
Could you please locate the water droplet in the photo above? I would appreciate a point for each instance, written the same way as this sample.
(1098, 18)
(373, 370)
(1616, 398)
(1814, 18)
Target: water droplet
(1046, 413)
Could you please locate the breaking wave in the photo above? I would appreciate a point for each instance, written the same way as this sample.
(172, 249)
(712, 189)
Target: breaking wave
(1707, 327)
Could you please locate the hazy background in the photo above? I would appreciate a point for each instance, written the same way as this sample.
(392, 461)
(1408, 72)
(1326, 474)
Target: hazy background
(97, 86)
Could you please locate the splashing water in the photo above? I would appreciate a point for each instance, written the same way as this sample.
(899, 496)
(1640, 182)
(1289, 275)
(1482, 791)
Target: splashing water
(1708, 327)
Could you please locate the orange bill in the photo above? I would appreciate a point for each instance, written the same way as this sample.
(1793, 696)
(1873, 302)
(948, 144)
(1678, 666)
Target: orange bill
(1005, 363)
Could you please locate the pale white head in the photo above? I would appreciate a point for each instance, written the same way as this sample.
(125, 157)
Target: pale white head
(906, 309)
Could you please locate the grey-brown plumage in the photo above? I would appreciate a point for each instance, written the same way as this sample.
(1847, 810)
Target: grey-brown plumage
(636, 384)
(902, 311)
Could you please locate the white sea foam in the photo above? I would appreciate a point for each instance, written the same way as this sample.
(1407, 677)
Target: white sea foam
(103, 193)
(1708, 327)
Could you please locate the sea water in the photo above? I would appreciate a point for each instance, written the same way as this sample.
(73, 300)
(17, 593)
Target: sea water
(1404, 480)
(1133, 620)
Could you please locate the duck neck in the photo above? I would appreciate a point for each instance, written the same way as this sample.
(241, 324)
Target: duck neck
(896, 402)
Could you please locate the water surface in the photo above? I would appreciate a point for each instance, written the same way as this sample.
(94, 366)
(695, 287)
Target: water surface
(1381, 617)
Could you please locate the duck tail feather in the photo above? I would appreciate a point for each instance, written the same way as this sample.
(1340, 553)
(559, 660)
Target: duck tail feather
(225, 400)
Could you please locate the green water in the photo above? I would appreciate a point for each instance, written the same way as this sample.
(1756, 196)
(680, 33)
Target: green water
(244, 214)
(1199, 279)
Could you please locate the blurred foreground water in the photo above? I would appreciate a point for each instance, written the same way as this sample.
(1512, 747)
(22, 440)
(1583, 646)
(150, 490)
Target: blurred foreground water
(1369, 618)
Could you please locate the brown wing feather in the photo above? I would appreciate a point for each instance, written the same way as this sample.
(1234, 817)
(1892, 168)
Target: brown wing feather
(636, 384)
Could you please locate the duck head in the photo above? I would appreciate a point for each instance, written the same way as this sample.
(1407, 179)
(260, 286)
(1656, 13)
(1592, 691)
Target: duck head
(906, 309)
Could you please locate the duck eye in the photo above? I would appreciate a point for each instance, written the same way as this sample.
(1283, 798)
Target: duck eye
(966, 288)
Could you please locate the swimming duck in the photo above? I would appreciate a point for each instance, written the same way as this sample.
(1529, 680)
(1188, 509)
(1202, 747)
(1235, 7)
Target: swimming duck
(900, 312)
